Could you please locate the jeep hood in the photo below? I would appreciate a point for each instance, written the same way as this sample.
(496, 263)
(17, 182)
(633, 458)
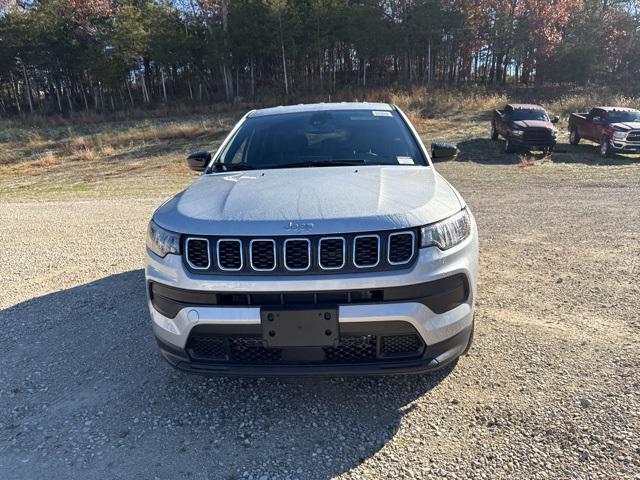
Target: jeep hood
(324, 199)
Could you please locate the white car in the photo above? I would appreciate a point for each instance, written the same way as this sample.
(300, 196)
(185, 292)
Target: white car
(320, 239)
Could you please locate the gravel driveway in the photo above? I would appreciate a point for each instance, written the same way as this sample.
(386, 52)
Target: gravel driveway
(551, 388)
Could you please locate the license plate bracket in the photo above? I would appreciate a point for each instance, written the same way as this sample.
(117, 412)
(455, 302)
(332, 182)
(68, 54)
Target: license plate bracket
(300, 327)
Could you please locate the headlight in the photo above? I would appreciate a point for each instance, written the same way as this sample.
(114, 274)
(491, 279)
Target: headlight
(517, 133)
(620, 135)
(161, 241)
(447, 233)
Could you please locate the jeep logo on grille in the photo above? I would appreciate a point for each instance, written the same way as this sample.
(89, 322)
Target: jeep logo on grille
(297, 227)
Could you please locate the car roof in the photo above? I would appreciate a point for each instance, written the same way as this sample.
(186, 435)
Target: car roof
(321, 107)
(525, 106)
(617, 109)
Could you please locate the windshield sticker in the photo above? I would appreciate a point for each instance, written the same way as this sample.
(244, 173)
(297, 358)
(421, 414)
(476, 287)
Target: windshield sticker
(379, 113)
(405, 161)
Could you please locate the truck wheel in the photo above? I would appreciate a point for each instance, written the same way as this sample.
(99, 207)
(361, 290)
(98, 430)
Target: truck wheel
(605, 147)
(494, 132)
(508, 147)
(574, 138)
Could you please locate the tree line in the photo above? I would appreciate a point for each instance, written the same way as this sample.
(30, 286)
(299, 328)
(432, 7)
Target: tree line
(106, 55)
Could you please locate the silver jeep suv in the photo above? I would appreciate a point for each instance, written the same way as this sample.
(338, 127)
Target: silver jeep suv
(319, 240)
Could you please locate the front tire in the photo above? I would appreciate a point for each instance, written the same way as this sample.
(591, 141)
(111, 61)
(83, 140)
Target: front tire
(574, 138)
(508, 146)
(605, 147)
(494, 132)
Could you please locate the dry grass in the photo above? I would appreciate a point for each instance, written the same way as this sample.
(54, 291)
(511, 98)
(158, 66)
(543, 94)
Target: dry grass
(141, 153)
(424, 103)
(567, 104)
(43, 162)
(46, 160)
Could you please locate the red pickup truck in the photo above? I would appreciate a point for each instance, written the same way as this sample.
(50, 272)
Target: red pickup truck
(615, 129)
(524, 126)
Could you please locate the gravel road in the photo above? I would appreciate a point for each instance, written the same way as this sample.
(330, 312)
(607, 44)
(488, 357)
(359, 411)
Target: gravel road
(551, 388)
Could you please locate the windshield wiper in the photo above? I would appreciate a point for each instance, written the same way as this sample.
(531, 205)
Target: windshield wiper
(230, 167)
(317, 163)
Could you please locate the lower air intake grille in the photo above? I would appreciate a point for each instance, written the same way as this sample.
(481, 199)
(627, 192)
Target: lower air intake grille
(208, 348)
(353, 349)
(251, 350)
(198, 253)
(229, 254)
(366, 251)
(401, 344)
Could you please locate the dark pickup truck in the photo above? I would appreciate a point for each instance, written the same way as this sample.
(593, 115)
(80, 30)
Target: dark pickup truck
(524, 126)
(615, 129)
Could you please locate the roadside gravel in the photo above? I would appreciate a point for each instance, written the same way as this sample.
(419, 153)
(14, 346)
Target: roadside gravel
(551, 388)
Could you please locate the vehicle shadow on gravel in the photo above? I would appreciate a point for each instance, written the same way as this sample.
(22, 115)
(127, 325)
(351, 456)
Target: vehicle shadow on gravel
(85, 392)
(486, 151)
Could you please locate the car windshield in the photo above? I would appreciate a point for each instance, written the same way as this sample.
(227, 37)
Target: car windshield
(529, 114)
(621, 117)
(321, 138)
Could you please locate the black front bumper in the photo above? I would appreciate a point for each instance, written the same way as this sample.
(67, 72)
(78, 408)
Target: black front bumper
(532, 144)
(309, 361)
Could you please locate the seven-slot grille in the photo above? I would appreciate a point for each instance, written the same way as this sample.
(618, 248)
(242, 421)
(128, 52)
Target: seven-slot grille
(297, 254)
(331, 253)
(313, 254)
(366, 251)
(401, 246)
(229, 254)
(198, 255)
(263, 255)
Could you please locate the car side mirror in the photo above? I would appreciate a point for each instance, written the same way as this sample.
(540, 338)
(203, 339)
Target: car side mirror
(442, 151)
(555, 119)
(198, 161)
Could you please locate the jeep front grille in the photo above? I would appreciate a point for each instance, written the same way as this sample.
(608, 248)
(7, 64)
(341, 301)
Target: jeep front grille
(230, 254)
(331, 253)
(198, 255)
(297, 254)
(314, 254)
(262, 254)
(401, 247)
(366, 251)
